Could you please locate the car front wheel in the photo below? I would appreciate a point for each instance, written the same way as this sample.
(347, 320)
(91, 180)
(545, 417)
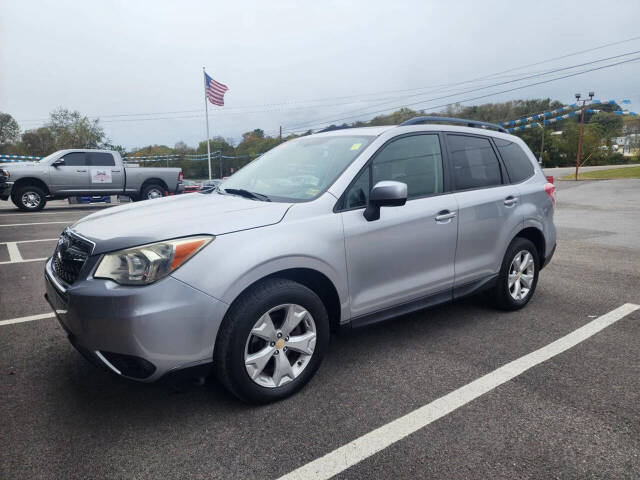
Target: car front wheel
(29, 198)
(272, 341)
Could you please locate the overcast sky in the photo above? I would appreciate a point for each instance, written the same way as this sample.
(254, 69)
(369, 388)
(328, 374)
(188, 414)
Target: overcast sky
(294, 64)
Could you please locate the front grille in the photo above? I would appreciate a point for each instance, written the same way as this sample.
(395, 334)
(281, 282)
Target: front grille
(69, 257)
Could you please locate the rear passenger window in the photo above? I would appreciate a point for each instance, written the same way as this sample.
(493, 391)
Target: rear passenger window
(518, 164)
(99, 159)
(474, 163)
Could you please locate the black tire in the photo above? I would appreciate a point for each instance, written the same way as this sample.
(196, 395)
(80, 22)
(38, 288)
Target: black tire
(229, 365)
(29, 203)
(501, 294)
(152, 187)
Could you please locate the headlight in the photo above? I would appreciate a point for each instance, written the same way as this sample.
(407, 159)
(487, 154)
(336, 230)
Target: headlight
(4, 174)
(147, 263)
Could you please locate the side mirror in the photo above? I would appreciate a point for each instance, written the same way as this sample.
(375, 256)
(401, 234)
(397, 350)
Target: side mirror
(385, 194)
(58, 163)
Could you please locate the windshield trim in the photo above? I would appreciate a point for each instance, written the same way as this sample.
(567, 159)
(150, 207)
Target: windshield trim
(278, 199)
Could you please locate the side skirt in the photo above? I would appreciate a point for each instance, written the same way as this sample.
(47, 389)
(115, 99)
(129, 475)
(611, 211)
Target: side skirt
(448, 295)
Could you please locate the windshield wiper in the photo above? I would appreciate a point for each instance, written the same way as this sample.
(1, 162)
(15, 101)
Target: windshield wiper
(246, 193)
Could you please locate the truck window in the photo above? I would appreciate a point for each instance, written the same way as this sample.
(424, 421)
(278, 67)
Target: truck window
(76, 159)
(101, 159)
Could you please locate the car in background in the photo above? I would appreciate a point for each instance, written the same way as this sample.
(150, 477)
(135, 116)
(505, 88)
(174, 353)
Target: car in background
(82, 172)
(190, 186)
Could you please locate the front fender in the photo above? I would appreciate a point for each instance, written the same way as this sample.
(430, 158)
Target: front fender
(233, 262)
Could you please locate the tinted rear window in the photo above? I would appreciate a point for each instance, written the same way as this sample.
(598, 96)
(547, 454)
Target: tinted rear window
(518, 164)
(99, 159)
(474, 162)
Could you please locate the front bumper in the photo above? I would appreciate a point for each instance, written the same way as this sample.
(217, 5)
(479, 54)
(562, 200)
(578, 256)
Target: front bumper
(141, 333)
(5, 190)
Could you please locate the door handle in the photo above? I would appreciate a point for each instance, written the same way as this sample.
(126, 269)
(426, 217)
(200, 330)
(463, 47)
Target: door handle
(115, 170)
(81, 171)
(510, 201)
(445, 216)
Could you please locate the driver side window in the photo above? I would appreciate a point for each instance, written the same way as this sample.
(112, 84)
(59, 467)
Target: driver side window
(415, 160)
(76, 159)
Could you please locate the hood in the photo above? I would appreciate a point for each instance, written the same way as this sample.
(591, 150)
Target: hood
(178, 216)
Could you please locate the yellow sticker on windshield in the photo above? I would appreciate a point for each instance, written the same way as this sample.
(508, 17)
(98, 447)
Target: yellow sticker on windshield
(356, 146)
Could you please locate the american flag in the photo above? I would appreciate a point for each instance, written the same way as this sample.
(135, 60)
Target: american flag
(214, 91)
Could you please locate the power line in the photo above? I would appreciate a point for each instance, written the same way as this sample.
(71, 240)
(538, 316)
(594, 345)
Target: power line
(493, 93)
(494, 75)
(199, 113)
(306, 124)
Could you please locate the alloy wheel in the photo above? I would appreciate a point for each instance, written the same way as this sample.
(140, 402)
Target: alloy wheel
(31, 199)
(521, 275)
(280, 345)
(154, 193)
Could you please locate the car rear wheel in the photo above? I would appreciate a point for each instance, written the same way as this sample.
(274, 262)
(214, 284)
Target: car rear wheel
(272, 341)
(151, 191)
(29, 198)
(518, 275)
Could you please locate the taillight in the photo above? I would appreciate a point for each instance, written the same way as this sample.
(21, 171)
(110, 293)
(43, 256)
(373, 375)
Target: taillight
(550, 189)
(180, 176)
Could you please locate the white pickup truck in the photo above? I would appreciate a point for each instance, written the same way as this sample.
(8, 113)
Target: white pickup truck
(70, 173)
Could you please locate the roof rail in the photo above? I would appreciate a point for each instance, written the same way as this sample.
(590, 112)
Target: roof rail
(331, 128)
(462, 121)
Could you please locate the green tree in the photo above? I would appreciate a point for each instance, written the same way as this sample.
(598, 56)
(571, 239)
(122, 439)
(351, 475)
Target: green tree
(73, 130)
(9, 131)
(39, 142)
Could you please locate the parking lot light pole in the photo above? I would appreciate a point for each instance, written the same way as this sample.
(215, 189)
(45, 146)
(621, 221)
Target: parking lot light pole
(591, 94)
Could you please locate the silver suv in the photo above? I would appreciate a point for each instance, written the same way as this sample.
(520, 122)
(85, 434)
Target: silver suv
(343, 228)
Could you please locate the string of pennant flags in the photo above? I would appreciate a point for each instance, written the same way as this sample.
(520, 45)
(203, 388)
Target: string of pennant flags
(551, 116)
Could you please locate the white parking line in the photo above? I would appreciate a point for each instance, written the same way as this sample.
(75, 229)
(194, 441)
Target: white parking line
(14, 253)
(23, 261)
(27, 319)
(361, 448)
(30, 214)
(24, 224)
(30, 241)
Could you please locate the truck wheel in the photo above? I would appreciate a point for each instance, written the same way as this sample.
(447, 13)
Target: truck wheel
(272, 341)
(151, 191)
(29, 198)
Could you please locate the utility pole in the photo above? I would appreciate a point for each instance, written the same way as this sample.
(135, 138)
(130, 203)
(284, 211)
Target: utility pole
(280, 132)
(591, 94)
(542, 145)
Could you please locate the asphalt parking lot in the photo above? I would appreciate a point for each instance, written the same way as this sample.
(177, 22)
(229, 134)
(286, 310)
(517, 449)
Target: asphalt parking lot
(575, 414)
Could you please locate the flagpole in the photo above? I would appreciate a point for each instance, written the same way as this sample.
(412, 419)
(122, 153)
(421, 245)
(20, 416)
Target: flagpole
(206, 109)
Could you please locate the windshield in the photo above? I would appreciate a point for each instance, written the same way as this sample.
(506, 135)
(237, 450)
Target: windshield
(299, 169)
(48, 158)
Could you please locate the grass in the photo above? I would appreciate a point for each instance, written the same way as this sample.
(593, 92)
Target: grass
(614, 173)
